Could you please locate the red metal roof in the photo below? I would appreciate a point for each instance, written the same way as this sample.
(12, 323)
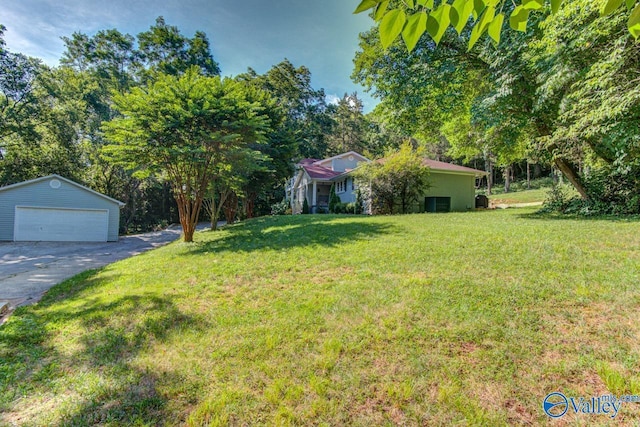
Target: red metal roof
(307, 161)
(319, 172)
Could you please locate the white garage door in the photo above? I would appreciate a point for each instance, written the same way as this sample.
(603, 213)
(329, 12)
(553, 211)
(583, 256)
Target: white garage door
(60, 224)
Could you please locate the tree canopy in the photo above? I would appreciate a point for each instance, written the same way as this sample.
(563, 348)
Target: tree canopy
(564, 92)
(184, 127)
(410, 19)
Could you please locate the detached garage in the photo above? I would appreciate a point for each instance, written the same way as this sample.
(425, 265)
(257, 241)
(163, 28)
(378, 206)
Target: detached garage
(55, 209)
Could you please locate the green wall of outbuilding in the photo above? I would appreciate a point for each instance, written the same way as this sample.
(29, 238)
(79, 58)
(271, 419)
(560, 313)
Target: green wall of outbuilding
(461, 189)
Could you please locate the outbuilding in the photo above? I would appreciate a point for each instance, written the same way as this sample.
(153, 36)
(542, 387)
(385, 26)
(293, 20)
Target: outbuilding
(452, 188)
(56, 209)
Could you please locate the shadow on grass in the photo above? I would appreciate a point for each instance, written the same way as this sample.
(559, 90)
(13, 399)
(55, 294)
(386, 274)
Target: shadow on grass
(553, 216)
(91, 362)
(286, 232)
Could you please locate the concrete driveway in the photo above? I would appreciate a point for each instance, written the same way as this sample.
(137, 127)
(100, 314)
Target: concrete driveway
(29, 269)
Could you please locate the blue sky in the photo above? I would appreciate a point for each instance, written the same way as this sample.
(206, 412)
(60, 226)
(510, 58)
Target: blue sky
(320, 34)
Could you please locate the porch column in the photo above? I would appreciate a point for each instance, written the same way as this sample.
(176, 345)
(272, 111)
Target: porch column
(314, 197)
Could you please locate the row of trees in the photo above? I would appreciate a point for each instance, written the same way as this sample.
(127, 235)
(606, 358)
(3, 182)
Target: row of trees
(147, 120)
(564, 93)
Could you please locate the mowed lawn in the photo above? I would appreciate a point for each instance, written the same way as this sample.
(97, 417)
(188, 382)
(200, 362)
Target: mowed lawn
(438, 319)
(525, 196)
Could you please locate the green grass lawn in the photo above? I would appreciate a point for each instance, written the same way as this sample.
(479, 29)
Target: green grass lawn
(525, 196)
(538, 192)
(437, 319)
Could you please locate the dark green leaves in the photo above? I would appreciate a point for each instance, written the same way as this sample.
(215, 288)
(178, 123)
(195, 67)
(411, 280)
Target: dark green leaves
(416, 26)
(391, 26)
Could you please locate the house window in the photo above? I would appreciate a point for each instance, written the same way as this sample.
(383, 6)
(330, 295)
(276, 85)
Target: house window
(341, 186)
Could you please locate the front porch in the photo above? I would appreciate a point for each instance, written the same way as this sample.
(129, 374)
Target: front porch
(318, 197)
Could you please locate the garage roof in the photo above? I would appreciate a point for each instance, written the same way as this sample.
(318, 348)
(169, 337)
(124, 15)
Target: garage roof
(61, 178)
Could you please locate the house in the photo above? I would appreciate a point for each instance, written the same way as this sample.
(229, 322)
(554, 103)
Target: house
(452, 186)
(313, 180)
(56, 209)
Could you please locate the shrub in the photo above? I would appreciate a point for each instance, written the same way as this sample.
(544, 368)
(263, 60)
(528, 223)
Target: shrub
(398, 181)
(556, 199)
(612, 190)
(280, 208)
(334, 200)
(305, 207)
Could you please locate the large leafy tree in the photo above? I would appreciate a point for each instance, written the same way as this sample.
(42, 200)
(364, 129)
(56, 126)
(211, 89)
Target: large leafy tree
(588, 65)
(19, 106)
(565, 91)
(183, 127)
(348, 125)
(432, 94)
(163, 48)
(93, 69)
(304, 107)
(39, 130)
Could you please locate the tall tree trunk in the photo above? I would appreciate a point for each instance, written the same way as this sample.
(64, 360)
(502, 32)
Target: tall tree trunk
(250, 203)
(189, 211)
(231, 208)
(507, 179)
(489, 175)
(528, 176)
(214, 213)
(537, 170)
(572, 175)
(224, 194)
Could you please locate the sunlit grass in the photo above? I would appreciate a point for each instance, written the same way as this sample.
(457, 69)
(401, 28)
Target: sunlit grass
(525, 196)
(434, 319)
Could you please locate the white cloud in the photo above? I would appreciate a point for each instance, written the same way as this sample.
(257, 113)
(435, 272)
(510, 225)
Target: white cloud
(332, 98)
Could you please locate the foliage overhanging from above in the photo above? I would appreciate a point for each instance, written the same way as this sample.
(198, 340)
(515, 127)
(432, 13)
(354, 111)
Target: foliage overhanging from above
(410, 19)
